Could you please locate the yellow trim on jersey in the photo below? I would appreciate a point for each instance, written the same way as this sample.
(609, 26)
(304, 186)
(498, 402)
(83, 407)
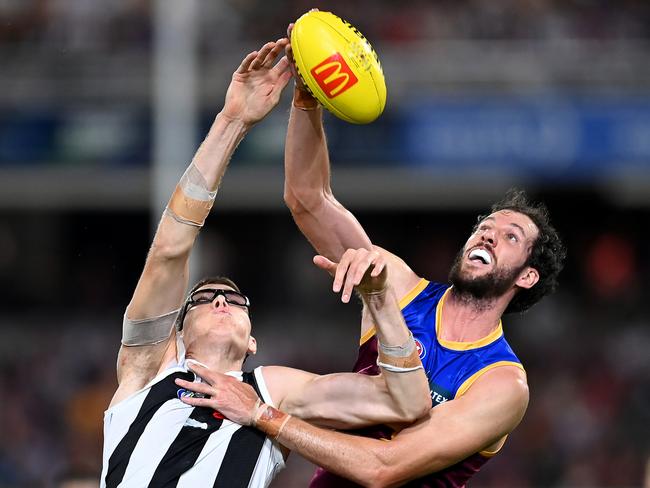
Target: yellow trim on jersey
(462, 346)
(488, 454)
(470, 381)
(406, 299)
(417, 289)
(366, 337)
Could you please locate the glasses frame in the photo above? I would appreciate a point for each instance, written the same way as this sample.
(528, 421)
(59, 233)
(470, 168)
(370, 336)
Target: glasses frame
(189, 303)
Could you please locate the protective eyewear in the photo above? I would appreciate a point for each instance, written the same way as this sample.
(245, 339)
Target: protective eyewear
(208, 295)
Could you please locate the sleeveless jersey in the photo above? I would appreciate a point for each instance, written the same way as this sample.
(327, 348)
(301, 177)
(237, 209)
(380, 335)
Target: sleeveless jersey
(153, 439)
(451, 368)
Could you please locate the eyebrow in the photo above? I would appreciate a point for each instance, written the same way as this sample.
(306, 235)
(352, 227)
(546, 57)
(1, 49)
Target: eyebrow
(521, 229)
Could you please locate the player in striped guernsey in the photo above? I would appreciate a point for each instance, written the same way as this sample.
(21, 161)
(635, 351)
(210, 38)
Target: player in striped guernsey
(478, 386)
(156, 430)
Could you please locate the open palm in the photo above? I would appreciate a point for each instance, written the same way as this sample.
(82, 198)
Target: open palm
(257, 84)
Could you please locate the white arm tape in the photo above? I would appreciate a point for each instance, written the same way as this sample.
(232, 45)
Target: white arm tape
(149, 331)
(397, 369)
(195, 186)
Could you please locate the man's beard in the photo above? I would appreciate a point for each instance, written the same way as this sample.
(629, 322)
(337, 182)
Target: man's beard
(482, 288)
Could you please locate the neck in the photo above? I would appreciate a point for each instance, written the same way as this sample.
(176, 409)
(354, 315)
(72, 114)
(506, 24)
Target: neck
(467, 318)
(216, 360)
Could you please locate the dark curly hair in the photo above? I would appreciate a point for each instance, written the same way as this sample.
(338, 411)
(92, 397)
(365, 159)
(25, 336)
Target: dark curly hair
(547, 255)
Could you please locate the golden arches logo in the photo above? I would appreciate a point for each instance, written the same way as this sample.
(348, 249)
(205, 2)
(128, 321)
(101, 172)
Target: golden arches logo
(334, 76)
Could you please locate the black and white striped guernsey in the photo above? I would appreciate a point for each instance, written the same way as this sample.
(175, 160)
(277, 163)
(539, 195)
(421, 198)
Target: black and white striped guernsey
(152, 439)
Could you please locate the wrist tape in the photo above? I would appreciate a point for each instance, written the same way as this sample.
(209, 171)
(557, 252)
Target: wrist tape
(304, 100)
(270, 420)
(192, 199)
(399, 359)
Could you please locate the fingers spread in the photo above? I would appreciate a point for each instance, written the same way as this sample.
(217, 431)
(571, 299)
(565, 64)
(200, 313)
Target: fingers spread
(282, 66)
(197, 402)
(277, 49)
(341, 272)
(379, 264)
(323, 263)
(262, 54)
(246, 63)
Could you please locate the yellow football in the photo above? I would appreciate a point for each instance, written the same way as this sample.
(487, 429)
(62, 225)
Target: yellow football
(339, 67)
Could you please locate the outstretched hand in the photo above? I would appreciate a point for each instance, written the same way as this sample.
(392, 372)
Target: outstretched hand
(257, 84)
(235, 400)
(359, 268)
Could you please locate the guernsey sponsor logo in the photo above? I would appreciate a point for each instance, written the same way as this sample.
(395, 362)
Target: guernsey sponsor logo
(438, 394)
(420, 347)
(334, 76)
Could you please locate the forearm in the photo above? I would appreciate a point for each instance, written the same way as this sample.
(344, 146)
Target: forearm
(356, 458)
(322, 219)
(407, 384)
(166, 268)
(218, 147)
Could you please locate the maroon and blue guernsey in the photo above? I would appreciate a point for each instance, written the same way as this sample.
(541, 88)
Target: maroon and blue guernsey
(451, 368)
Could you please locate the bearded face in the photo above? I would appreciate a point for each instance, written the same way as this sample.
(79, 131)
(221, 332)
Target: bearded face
(485, 286)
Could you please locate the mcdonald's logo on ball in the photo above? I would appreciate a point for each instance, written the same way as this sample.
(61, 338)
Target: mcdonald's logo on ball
(334, 76)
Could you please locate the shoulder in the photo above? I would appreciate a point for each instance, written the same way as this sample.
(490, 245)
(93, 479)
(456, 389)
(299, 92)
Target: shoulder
(504, 385)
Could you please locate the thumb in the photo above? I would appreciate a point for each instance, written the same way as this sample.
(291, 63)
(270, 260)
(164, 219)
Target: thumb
(325, 264)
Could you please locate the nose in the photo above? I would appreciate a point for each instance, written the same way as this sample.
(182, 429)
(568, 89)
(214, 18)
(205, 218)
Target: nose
(490, 237)
(219, 302)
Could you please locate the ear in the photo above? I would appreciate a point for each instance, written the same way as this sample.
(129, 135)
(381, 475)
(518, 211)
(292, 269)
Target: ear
(528, 277)
(252, 345)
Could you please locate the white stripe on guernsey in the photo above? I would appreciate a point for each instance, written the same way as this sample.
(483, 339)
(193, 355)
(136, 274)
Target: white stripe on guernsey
(205, 470)
(154, 442)
(261, 476)
(277, 463)
(261, 384)
(117, 421)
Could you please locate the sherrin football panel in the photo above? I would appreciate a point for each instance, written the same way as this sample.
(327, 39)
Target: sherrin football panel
(339, 67)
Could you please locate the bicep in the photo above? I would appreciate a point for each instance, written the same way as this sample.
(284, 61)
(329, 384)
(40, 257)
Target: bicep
(457, 429)
(340, 400)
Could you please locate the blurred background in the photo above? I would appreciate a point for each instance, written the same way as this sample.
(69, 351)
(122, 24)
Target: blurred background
(102, 105)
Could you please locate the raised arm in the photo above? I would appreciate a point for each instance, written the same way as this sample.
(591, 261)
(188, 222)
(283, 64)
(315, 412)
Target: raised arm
(329, 226)
(346, 400)
(147, 338)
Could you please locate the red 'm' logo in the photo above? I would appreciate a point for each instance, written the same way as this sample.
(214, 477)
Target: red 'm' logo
(334, 76)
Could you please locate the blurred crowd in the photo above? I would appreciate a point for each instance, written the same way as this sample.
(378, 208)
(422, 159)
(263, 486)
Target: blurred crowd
(84, 25)
(66, 276)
